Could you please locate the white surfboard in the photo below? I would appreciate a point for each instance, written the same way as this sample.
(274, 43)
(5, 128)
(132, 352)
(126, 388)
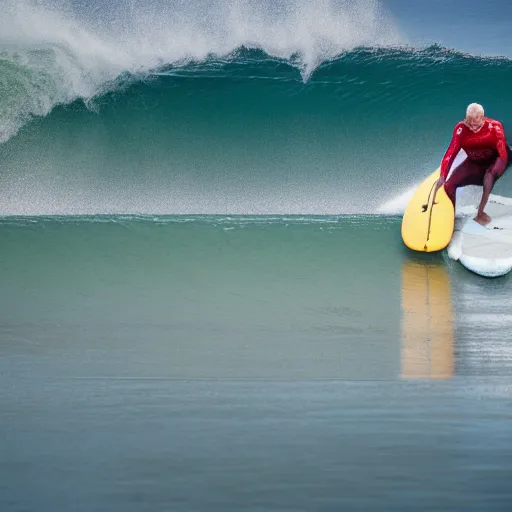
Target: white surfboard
(485, 250)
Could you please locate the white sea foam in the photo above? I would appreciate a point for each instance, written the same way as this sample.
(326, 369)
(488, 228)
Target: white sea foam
(55, 52)
(398, 204)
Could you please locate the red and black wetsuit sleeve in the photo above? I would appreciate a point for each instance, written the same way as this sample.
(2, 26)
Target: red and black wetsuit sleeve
(452, 151)
(501, 143)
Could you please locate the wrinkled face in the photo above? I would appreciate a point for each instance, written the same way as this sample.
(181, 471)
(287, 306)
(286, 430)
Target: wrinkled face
(475, 122)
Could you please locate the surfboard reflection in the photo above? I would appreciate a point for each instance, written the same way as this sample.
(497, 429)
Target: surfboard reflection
(427, 322)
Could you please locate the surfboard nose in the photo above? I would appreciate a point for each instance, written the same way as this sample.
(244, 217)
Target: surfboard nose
(428, 221)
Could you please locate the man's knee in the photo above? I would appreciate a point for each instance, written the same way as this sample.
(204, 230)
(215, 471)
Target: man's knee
(490, 177)
(497, 170)
(509, 155)
(450, 189)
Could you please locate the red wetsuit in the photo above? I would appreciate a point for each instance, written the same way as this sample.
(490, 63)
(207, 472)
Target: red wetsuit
(487, 150)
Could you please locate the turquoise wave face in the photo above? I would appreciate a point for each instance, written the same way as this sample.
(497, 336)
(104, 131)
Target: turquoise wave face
(250, 134)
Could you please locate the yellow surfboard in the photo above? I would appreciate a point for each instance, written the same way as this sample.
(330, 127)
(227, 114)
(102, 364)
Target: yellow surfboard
(427, 226)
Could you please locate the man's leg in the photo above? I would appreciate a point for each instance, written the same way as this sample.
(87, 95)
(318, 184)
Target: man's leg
(467, 173)
(492, 175)
(481, 216)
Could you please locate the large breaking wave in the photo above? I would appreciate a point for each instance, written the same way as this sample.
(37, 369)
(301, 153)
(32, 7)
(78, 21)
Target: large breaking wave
(224, 107)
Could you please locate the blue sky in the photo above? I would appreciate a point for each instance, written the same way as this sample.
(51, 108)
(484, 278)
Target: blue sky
(475, 26)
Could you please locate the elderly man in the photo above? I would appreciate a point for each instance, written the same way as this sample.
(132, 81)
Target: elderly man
(488, 155)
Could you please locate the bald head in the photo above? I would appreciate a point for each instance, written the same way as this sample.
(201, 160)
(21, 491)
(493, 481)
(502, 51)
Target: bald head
(475, 117)
(475, 110)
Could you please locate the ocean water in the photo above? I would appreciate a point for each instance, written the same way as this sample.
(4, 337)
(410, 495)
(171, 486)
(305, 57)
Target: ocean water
(206, 303)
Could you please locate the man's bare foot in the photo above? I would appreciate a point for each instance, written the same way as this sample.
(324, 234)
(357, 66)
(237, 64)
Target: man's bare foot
(483, 219)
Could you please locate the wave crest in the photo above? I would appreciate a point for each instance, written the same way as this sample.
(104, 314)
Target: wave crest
(51, 53)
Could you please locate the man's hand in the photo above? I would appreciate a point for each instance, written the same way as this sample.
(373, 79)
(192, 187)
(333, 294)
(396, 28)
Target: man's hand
(439, 184)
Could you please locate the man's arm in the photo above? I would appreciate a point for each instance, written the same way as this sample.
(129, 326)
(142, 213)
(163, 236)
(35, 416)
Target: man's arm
(501, 143)
(452, 151)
